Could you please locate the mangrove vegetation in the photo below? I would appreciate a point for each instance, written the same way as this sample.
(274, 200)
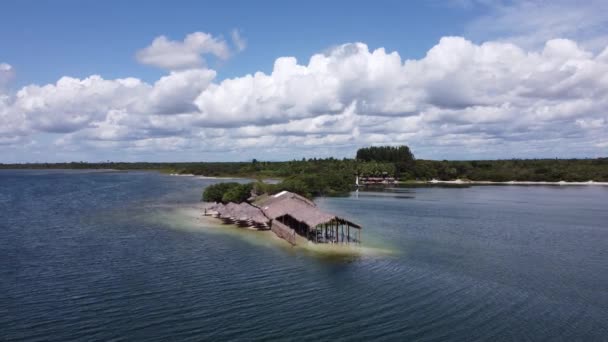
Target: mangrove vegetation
(331, 176)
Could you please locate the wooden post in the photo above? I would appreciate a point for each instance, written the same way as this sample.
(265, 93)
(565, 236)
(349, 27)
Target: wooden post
(338, 231)
(348, 232)
(333, 232)
(319, 233)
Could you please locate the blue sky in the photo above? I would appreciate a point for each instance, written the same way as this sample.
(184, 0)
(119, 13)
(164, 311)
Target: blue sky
(461, 79)
(45, 40)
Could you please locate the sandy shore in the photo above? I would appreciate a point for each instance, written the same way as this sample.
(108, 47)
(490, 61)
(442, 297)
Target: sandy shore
(199, 176)
(190, 217)
(464, 182)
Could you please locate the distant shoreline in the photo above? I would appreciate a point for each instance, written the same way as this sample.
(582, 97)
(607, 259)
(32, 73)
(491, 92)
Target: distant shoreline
(430, 182)
(469, 182)
(199, 176)
(266, 180)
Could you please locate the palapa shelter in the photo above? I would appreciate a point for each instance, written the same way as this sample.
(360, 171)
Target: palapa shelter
(287, 215)
(306, 219)
(242, 214)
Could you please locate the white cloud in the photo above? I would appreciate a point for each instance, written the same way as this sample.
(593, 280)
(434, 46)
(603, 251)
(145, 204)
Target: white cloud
(530, 23)
(462, 99)
(176, 55)
(12, 123)
(6, 74)
(239, 42)
(72, 104)
(176, 92)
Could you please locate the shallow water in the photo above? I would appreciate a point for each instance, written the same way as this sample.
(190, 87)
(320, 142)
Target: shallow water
(124, 256)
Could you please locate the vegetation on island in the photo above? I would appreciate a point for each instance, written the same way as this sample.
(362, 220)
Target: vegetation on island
(307, 186)
(331, 176)
(400, 157)
(334, 177)
(227, 192)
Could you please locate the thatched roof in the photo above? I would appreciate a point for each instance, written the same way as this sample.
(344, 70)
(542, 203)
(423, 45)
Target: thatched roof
(242, 212)
(276, 206)
(298, 207)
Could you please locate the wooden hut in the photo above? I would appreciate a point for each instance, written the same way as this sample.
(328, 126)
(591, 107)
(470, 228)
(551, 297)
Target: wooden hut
(300, 214)
(287, 215)
(242, 214)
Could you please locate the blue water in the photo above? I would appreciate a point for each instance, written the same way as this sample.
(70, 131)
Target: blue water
(112, 256)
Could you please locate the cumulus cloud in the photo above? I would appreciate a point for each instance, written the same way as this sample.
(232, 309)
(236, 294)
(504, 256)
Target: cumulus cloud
(72, 104)
(175, 55)
(6, 74)
(176, 92)
(530, 23)
(461, 100)
(457, 81)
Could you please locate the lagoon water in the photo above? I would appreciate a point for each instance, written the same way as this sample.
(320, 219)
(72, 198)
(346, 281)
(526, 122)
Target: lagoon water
(123, 256)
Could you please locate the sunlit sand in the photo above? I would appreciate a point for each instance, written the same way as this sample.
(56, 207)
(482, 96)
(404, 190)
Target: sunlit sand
(191, 218)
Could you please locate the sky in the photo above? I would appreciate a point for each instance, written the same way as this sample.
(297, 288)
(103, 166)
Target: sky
(236, 80)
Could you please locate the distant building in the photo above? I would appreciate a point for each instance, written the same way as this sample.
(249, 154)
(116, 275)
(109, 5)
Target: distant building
(383, 179)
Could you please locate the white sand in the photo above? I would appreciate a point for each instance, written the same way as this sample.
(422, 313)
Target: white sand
(191, 218)
(460, 181)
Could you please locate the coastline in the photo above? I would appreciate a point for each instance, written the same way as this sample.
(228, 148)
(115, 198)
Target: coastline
(436, 181)
(469, 182)
(199, 176)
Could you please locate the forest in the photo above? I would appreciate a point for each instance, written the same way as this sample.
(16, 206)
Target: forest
(331, 176)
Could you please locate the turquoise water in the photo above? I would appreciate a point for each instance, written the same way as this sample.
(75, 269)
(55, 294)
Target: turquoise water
(126, 256)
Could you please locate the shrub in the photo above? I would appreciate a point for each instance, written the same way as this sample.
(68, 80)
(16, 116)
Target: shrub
(215, 192)
(238, 194)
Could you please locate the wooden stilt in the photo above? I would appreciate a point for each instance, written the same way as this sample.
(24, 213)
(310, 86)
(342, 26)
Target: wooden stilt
(348, 232)
(337, 233)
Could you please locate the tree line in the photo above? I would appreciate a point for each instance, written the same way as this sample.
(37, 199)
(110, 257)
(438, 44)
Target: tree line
(331, 176)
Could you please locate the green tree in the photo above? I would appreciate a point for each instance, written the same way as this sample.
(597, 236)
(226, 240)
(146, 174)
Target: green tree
(237, 194)
(215, 192)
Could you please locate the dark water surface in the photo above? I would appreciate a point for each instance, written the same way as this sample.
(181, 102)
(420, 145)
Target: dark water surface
(106, 256)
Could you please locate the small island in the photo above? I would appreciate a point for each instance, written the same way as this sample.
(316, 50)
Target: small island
(285, 213)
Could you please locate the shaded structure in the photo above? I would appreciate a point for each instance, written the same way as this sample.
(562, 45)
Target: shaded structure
(306, 219)
(384, 179)
(288, 215)
(242, 214)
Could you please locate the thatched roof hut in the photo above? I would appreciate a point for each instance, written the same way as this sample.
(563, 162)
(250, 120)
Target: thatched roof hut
(298, 207)
(242, 213)
(288, 214)
(304, 217)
